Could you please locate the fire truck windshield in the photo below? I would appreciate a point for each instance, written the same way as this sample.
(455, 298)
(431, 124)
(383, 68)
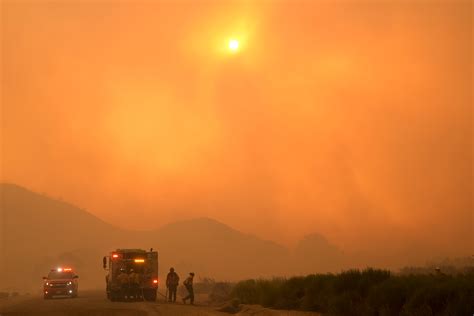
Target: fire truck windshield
(60, 275)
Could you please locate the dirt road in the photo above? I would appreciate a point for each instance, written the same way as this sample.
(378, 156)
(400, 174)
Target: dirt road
(94, 303)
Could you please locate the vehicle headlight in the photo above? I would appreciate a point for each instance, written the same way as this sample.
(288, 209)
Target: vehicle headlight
(69, 283)
(50, 284)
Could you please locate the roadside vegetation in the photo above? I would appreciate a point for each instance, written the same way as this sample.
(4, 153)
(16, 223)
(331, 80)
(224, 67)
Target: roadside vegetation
(367, 292)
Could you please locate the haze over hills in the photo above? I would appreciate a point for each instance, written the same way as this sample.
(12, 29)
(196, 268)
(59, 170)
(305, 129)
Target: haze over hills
(217, 250)
(39, 233)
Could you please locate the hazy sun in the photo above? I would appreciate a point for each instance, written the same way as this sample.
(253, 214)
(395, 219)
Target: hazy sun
(233, 45)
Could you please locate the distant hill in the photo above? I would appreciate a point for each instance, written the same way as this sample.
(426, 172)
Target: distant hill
(315, 253)
(38, 233)
(217, 250)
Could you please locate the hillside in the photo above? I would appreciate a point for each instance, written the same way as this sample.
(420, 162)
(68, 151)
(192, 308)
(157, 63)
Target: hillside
(217, 250)
(38, 233)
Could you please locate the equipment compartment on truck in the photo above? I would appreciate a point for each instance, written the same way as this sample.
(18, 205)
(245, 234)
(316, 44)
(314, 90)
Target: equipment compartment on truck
(132, 274)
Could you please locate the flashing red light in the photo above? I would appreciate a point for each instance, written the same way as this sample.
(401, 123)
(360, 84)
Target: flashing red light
(67, 269)
(115, 255)
(155, 281)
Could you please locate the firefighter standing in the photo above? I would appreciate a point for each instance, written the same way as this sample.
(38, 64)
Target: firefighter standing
(123, 280)
(172, 281)
(188, 283)
(134, 281)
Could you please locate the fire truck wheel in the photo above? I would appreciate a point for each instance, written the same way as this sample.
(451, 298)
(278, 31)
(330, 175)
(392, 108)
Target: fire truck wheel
(113, 296)
(149, 295)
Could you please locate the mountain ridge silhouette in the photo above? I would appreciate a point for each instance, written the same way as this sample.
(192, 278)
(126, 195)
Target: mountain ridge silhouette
(38, 233)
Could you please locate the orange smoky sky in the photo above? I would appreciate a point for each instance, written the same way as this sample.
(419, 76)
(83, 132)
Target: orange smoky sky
(352, 119)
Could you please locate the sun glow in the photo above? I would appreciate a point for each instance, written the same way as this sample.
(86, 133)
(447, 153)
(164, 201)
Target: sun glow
(233, 45)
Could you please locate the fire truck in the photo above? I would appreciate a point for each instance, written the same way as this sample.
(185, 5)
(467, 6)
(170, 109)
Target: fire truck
(60, 282)
(142, 262)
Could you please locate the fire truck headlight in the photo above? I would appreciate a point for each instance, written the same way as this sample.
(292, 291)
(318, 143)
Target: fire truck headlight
(69, 283)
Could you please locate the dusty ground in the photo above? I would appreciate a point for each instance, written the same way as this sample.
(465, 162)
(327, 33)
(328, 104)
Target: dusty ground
(94, 303)
(261, 311)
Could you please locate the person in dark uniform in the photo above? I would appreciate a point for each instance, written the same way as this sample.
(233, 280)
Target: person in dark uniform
(172, 282)
(188, 283)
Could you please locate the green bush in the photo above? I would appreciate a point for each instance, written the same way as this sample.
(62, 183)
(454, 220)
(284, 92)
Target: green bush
(368, 292)
(318, 291)
(388, 297)
(246, 292)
